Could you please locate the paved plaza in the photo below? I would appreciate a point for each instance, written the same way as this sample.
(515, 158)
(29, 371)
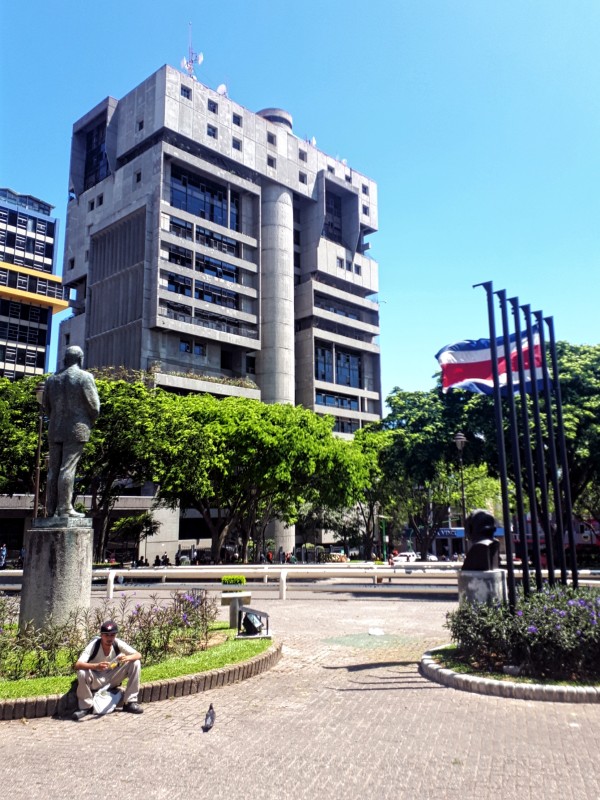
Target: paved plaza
(344, 714)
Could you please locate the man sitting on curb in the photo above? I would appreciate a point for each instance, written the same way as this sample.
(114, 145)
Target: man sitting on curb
(105, 663)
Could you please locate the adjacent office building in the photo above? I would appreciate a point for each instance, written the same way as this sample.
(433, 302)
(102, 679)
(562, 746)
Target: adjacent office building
(30, 290)
(205, 240)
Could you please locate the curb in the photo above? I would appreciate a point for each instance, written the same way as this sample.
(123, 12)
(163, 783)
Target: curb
(57, 705)
(518, 691)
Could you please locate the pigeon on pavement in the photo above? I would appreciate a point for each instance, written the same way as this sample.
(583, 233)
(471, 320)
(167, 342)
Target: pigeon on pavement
(209, 719)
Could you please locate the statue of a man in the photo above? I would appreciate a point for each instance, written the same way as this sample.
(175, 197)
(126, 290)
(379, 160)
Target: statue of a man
(71, 402)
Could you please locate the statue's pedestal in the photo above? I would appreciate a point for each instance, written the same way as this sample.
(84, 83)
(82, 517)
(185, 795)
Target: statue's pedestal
(57, 573)
(479, 586)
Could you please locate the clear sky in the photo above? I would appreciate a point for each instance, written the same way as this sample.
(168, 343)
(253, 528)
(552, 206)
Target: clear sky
(479, 119)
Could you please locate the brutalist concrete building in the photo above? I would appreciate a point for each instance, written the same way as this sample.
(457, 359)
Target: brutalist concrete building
(204, 240)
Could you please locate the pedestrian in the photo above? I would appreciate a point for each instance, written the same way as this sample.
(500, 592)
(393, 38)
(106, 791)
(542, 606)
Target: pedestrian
(3, 556)
(104, 664)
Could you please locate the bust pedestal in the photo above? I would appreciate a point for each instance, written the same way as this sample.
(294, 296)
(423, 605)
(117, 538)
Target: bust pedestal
(57, 573)
(482, 586)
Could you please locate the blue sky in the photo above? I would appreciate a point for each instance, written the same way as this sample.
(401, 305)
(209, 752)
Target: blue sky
(479, 119)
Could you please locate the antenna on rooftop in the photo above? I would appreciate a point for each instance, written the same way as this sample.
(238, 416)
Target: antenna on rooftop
(222, 89)
(189, 63)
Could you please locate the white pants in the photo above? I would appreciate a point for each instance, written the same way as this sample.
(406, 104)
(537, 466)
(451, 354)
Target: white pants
(90, 680)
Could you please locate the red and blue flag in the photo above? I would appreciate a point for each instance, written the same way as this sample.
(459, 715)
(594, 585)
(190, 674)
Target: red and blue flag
(468, 364)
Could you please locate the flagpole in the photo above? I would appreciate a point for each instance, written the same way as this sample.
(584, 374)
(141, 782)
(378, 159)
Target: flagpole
(514, 302)
(512, 599)
(560, 531)
(566, 479)
(514, 441)
(539, 442)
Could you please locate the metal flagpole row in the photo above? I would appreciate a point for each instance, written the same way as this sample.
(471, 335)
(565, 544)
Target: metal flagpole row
(550, 467)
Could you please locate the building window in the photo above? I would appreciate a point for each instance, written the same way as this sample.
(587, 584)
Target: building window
(226, 359)
(236, 144)
(140, 125)
(365, 189)
(332, 228)
(271, 162)
(336, 401)
(271, 138)
(211, 131)
(178, 255)
(202, 198)
(100, 200)
(71, 263)
(96, 160)
(349, 266)
(365, 210)
(181, 228)
(179, 285)
(138, 176)
(91, 205)
(302, 155)
(86, 256)
(340, 263)
(186, 92)
(302, 177)
(237, 120)
(251, 365)
(330, 169)
(348, 369)
(324, 364)
(357, 269)
(348, 178)
(213, 107)
(185, 346)
(199, 349)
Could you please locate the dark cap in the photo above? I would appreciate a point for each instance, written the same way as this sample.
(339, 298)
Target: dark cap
(109, 627)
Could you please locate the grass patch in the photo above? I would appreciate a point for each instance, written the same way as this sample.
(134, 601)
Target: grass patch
(232, 651)
(449, 658)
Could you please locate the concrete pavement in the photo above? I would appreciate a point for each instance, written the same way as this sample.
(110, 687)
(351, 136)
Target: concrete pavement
(344, 714)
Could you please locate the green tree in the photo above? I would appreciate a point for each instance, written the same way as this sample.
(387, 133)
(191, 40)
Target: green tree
(373, 485)
(19, 420)
(134, 529)
(241, 462)
(120, 450)
(421, 465)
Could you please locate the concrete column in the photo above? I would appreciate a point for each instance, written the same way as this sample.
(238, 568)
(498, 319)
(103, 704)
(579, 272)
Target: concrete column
(482, 586)
(275, 366)
(57, 573)
(275, 362)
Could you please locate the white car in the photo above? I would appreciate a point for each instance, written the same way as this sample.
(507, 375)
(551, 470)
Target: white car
(402, 558)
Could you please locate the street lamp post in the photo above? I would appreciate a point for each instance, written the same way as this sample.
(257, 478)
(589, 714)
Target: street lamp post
(460, 441)
(39, 396)
(383, 536)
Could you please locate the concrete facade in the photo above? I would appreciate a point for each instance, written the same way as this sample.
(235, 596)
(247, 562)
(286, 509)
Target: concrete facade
(205, 240)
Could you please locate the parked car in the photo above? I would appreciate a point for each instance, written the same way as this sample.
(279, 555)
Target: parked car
(403, 558)
(431, 557)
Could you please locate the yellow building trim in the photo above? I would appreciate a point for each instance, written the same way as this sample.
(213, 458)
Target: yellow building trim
(37, 273)
(39, 300)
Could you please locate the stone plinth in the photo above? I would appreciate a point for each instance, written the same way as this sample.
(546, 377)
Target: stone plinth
(479, 586)
(57, 573)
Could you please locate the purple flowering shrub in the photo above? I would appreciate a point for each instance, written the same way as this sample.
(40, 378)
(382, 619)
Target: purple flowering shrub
(159, 630)
(553, 634)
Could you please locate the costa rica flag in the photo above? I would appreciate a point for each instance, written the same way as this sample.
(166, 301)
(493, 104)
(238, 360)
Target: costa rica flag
(468, 364)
